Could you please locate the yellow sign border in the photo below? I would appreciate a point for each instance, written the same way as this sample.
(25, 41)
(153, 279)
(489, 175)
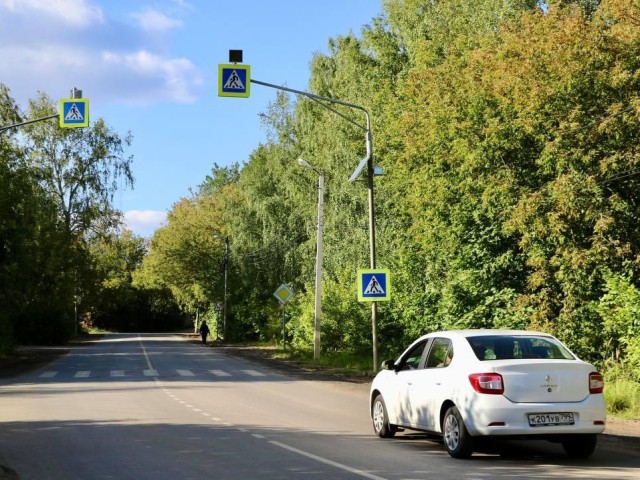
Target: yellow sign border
(61, 120)
(235, 66)
(387, 293)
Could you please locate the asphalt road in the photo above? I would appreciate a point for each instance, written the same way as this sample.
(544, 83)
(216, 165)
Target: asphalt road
(145, 406)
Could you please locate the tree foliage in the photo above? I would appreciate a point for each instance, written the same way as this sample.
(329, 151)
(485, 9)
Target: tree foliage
(506, 130)
(57, 188)
(507, 134)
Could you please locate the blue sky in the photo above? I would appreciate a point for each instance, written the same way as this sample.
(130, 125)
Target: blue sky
(151, 67)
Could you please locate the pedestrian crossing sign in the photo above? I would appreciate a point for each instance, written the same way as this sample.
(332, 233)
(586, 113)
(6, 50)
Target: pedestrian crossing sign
(74, 112)
(374, 285)
(234, 80)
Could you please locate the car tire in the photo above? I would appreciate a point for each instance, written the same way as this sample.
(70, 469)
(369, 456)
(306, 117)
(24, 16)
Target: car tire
(457, 440)
(380, 419)
(580, 446)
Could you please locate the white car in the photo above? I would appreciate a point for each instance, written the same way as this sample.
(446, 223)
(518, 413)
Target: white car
(467, 384)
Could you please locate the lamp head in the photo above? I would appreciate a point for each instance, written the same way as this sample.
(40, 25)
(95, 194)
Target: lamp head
(359, 168)
(303, 163)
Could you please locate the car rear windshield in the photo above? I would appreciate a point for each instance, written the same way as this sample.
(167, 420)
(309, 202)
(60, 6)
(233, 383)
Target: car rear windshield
(505, 347)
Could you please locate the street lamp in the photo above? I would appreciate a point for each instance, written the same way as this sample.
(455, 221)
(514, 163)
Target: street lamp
(226, 270)
(320, 226)
(366, 162)
(224, 303)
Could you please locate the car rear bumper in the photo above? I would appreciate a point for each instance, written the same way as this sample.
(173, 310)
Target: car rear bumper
(499, 416)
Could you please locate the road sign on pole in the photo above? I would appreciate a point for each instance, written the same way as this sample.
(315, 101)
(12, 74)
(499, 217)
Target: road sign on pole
(283, 293)
(374, 285)
(234, 80)
(74, 112)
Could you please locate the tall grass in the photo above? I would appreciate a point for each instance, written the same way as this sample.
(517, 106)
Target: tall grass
(623, 398)
(621, 390)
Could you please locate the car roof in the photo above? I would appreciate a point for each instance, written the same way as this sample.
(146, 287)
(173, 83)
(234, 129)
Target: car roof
(484, 332)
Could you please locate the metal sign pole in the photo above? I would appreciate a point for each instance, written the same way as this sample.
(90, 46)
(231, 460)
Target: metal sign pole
(284, 332)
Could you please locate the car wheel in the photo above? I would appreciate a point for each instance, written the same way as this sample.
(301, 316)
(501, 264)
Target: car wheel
(457, 440)
(580, 446)
(380, 418)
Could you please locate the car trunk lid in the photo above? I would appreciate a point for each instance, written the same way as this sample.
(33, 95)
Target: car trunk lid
(544, 381)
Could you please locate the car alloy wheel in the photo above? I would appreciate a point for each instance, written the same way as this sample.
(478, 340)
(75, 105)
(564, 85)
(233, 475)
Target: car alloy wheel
(456, 438)
(381, 420)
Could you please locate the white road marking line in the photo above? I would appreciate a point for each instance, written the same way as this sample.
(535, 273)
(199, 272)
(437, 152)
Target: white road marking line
(151, 373)
(144, 350)
(257, 435)
(48, 374)
(327, 461)
(253, 373)
(185, 373)
(82, 374)
(117, 373)
(220, 373)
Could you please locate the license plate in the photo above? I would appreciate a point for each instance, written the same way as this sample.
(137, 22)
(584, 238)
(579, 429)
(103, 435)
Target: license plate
(549, 419)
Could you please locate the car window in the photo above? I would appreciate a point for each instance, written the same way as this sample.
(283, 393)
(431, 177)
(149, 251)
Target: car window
(440, 354)
(507, 347)
(411, 359)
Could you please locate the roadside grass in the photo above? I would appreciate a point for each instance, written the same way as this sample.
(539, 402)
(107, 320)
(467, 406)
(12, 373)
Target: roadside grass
(623, 398)
(351, 362)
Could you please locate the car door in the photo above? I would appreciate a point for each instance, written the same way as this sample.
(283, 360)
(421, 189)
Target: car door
(428, 385)
(406, 369)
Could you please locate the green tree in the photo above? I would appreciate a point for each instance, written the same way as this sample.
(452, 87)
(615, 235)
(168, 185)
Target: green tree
(73, 174)
(120, 305)
(81, 168)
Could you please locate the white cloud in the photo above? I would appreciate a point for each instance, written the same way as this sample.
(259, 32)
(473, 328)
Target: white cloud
(175, 77)
(80, 13)
(144, 222)
(152, 20)
(110, 62)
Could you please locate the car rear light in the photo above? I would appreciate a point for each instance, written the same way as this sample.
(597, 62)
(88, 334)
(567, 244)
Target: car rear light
(487, 383)
(596, 382)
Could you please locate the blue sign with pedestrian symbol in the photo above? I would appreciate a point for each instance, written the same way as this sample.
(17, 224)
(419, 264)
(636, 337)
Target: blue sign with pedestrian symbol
(234, 80)
(74, 112)
(374, 285)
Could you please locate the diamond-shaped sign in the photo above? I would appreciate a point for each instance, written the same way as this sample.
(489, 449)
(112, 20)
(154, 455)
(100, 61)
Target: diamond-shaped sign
(283, 294)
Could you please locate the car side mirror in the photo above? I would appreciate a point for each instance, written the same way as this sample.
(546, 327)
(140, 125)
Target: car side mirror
(388, 365)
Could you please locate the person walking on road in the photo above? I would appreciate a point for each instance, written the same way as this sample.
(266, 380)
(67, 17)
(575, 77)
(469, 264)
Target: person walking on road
(204, 331)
